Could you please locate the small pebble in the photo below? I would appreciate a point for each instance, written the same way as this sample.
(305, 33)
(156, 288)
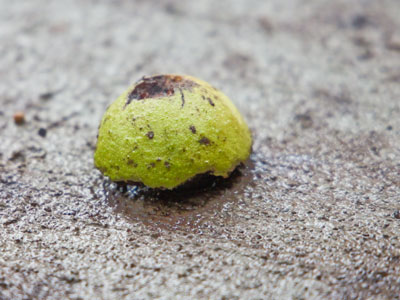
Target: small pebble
(19, 118)
(42, 132)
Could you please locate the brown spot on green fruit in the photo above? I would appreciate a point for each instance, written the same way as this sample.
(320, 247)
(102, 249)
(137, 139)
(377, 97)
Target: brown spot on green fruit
(150, 135)
(204, 141)
(130, 162)
(192, 128)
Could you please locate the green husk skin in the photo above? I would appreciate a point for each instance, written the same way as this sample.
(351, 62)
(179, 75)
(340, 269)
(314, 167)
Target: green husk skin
(164, 141)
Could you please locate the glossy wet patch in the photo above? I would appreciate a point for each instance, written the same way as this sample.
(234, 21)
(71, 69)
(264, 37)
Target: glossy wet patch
(191, 208)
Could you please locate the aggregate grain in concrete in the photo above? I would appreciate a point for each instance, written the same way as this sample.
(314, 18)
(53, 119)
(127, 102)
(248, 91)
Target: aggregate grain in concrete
(314, 213)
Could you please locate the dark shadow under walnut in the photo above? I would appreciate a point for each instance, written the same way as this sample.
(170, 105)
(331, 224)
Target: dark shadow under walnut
(186, 207)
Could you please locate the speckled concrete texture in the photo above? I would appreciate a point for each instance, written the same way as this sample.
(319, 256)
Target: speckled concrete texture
(315, 212)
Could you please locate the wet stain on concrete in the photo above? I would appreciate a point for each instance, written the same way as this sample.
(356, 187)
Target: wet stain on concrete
(188, 208)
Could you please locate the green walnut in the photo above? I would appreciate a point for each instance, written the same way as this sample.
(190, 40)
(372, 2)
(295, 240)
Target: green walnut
(166, 129)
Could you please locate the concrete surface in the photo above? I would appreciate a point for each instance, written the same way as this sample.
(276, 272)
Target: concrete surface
(313, 215)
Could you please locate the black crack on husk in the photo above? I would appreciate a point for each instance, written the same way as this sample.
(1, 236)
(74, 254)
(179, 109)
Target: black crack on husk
(210, 101)
(182, 97)
(159, 86)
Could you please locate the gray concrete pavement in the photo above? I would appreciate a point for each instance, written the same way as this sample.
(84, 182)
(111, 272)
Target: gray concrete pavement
(313, 215)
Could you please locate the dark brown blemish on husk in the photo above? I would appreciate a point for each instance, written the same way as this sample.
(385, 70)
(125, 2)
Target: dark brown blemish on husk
(192, 128)
(150, 135)
(167, 165)
(159, 86)
(204, 141)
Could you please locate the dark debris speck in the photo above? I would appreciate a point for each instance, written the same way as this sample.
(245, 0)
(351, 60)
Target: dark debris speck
(360, 21)
(305, 120)
(42, 132)
(46, 95)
